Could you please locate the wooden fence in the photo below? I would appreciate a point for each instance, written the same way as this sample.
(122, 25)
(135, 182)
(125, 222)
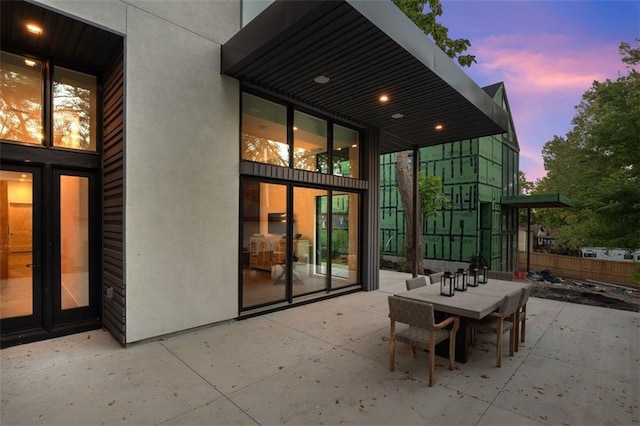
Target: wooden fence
(581, 267)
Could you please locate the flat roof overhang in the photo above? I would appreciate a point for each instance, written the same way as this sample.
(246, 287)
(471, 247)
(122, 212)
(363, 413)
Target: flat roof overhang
(366, 48)
(538, 201)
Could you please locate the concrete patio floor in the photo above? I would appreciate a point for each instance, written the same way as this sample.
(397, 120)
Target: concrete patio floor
(327, 363)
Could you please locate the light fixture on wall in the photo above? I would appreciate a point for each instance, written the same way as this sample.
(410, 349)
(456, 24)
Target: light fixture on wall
(383, 98)
(439, 127)
(29, 63)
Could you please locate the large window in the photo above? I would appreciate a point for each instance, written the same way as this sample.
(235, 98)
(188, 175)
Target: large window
(264, 131)
(346, 151)
(276, 134)
(74, 110)
(310, 143)
(73, 102)
(21, 101)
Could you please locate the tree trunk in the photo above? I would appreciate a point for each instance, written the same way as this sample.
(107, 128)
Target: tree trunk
(404, 178)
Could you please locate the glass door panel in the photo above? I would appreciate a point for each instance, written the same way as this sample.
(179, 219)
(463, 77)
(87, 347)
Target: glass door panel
(344, 239)
(264, 229)
(16, 254)
(74, 241)
(307, 277)
(20, 290)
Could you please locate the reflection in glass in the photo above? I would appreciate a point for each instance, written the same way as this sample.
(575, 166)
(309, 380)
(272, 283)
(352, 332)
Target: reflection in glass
(16, 255)
(346, 152)
(306, 277)
(264, 131)
(20, 99)
(344, 239)
(74, 109)
(74, 241)
(264, 221)
(310, 143)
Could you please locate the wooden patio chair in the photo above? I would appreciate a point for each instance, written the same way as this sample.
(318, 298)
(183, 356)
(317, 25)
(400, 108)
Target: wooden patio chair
(417, 282)
(521, 315)
(499, 323)
(423, 332)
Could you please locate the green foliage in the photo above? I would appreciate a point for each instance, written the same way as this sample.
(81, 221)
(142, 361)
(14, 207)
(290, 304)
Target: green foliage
(597, 164)
(432, 200)
(525, 187)
(427, 22)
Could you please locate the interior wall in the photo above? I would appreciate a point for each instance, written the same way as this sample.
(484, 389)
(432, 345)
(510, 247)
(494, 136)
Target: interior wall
(181, 161)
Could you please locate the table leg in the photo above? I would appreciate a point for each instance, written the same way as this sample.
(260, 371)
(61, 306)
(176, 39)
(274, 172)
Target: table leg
(462, 340)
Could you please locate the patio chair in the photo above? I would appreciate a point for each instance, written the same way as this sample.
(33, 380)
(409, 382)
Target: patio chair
(417, 282)
(436, 277)
(423, 332)
(495, 323)
(521, 315)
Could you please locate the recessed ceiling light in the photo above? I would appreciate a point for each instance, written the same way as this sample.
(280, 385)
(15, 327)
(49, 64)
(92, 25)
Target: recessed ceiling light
(397, 115)
(34, 29)
(439, 127)
(321, 79)
(383, 98)
(29, 63)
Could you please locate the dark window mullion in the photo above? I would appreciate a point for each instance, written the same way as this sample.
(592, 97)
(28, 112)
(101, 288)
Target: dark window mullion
(290, 135)
(48, 104)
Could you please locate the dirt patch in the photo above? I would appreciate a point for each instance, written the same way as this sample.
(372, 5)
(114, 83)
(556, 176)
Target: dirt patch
(589, 293)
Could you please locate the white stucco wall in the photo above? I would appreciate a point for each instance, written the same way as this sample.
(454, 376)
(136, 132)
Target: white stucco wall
(181, 156)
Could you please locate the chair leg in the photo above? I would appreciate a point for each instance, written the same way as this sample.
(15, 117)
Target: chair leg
(432, 362)
(513, 339)
(392, 347)
(499, 343)
(452, 352)
(523, 323)
(516, 326)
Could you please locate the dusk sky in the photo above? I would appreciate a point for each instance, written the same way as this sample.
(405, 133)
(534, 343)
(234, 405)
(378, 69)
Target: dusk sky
(547, 53)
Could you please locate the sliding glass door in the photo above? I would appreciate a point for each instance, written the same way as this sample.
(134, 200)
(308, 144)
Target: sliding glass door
(295, 243)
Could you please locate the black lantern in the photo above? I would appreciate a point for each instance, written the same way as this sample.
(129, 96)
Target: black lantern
(447, 284)
(472, 277)
(482, 275)
(461, 280)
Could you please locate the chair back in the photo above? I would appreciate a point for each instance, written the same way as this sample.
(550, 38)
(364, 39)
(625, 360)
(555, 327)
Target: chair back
(412, 312)
(510, 304)
(501, 275)
(526, 292)
(416, 282)
(436, 277)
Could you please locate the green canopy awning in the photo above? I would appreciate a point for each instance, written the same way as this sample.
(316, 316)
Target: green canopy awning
(537, 201)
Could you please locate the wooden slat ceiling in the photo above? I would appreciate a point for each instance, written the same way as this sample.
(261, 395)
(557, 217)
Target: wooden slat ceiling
(67, 40)
(367, 49)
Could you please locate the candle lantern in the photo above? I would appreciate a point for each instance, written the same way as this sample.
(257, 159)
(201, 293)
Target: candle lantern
(447, 284)
(472, 277)
(461, 280)
(482, 275)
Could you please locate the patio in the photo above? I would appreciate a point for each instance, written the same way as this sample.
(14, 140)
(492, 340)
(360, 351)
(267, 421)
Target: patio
(327, 363)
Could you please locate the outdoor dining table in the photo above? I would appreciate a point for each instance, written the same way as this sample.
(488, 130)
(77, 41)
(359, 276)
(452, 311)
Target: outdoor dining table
(475, 303)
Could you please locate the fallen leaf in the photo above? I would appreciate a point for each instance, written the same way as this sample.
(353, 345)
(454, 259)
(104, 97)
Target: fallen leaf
(112, 402)
(485, 376)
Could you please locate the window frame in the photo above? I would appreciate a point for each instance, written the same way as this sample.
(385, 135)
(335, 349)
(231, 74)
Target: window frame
(291, 109)
(48, 65)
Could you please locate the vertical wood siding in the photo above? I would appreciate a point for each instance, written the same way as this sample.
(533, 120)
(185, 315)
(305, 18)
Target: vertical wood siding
(114, 307)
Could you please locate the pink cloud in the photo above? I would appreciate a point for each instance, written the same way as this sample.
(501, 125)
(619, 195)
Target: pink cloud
(545, 76)
(545, 63)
